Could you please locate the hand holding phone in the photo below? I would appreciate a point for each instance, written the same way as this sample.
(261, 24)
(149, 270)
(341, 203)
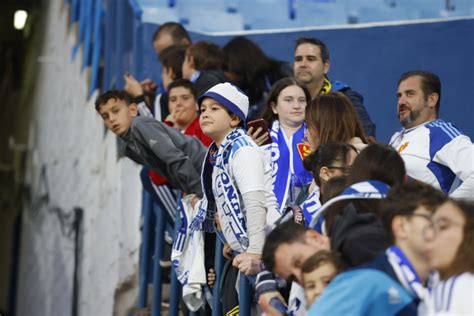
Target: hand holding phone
(258, 130)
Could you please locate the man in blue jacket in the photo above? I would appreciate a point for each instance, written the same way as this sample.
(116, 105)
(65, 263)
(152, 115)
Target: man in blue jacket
(394, 282)
(311, 65)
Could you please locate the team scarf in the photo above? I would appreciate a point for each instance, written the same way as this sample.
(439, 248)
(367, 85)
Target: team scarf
(405, 272)
(371, 189)
(311, 205)
(221, 193)
(288, 172)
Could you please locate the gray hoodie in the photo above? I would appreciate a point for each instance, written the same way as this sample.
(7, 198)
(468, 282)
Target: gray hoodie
(172, 154)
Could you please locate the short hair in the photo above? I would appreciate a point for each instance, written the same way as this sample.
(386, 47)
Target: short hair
(317, 42)
(325, 156)
(378, 162)
(173, 57)
(334, 117)
(430, 84)
(176, 30)
(207, 56)
(112, 94)
(185, 84)
(321, 257)
(404, 198)
(287, 233)
(464, 258)
(277, 88)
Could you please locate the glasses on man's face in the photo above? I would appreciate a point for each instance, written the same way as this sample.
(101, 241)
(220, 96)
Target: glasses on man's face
(436, 227)
(345, 169)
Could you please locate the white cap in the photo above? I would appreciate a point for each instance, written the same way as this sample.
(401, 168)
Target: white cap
(229, 96)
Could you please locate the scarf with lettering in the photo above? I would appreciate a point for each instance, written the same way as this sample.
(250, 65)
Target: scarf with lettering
(288, 172)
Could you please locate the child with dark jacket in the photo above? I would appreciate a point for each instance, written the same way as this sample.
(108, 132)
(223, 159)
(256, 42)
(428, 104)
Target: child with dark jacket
(172, 154)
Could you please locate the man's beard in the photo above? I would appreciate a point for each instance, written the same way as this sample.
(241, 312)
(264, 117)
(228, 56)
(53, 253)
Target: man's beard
(407, 122)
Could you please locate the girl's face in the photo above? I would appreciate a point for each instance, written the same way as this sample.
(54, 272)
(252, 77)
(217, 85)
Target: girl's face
(337, 168)
(316, 281)
(444, 237)
(312, 137)
(215, 121)
(187, 68)
(290, 106)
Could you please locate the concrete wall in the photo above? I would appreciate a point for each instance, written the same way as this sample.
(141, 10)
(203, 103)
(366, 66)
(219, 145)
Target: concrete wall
(68, 139)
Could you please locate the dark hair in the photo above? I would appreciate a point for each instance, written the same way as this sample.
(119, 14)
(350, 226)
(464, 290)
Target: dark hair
(176, 30)
(430, 84)
(185, 84)
(207, 56)
(333, 188)
(317, 42)
(335, 118)
(112, 94)
(277, 88)
(286, 233)
(378, 162)
(325, 156)
(251, 66)
(173, 57)
(404, 198)
(464, 259)
(321, 257)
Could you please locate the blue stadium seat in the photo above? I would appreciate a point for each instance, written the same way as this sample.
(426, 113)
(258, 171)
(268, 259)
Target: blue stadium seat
(159, 14)
(321, 13)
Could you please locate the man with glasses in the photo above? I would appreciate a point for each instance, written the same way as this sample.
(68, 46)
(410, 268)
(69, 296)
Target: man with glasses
(394, 282)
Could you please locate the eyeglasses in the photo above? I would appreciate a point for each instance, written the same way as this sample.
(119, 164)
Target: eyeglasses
(345, 169)
(436, 227)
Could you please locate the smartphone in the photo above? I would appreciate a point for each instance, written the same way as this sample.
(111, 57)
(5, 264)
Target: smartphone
(260, 123)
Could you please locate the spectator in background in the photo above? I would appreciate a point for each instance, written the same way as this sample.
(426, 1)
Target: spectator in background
(170, 33)
(332, 117)
(394, 282)
(434, 151)
(311, 65)
(202, 65)
(449, 242)
(284, 114)
(247, 66)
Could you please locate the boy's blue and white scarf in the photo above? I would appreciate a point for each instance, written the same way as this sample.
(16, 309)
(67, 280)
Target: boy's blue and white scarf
(287, 163)
(371, 189)
(311, 205)
(219, 190)
(405, 272)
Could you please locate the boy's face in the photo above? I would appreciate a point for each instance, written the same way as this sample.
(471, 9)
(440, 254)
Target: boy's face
(117, 115)
(317, 280)
(187, 68)
(215, 121)
(182, 105)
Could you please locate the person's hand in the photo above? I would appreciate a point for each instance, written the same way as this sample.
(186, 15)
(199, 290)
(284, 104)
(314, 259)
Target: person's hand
(211, 277)
(264, 302)
(132, 86)
(248, 263)
(194, 201)
(254, 135)
(149, 86)
(227, 252)
(371, 140)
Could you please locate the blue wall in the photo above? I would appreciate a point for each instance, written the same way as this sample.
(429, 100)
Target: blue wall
(371, 59)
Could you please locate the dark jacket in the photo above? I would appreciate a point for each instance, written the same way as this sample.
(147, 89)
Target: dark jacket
(359, 237)
(358, 101)
(208, 79)
(172, 154)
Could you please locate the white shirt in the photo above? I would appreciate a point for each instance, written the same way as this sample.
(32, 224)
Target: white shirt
(453, 297)
(439, 154)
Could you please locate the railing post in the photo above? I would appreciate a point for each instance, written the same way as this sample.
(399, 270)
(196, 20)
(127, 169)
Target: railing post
(218, 266)
(245, 296)
(157, 270)
(147, 208)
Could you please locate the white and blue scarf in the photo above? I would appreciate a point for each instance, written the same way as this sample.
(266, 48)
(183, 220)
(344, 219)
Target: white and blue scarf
(287, 164)
(221, 192)
(371, 189)
(405, 272)
(311, 205)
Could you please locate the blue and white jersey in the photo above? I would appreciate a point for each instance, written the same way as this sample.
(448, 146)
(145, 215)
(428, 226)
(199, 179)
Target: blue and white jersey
(454, 296)
(439, 154)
